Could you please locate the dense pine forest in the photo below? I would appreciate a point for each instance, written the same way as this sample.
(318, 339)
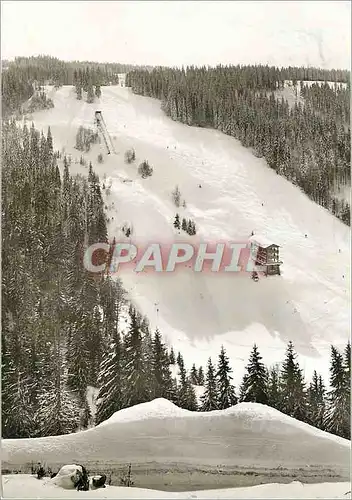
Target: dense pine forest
(308, 143)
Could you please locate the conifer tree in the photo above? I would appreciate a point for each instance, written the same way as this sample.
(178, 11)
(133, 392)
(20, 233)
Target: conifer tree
(172, 358)
(77, 358)
(79, 92)
(17, 418)
(135, 369)
(148, 354)
(111, 396)
(186, 394)
(179, 359)
(184, 225)
(316, 402)
(176, 196)
(177, 222)
(49, 142)
(273, 387)
(254, 388)
(162, 380)
(191, 228)
(59, 411)
(292, 387)
(226, 391)
(210, 398)
(347, 364)
(194, 375)
(337, 415)
(90, 94)
(201, 376)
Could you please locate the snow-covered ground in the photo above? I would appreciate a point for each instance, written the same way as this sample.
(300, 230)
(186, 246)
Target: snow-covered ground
(248, 434)
(309, 304)
(24, 486)
(292, 93)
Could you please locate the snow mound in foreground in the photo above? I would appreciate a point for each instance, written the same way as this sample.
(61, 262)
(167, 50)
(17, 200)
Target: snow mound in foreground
(161, 408)
(247, 434)
(158, 408)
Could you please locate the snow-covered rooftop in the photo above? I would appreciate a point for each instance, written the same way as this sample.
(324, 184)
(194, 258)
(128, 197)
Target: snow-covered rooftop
(263, 241)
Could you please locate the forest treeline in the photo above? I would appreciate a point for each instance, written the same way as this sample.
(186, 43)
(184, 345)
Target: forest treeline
(56, 318)
(18, 76)
(139, 368)
(308, 142)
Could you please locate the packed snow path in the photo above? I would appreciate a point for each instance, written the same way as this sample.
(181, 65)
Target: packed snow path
(309, 304)
(24, 486)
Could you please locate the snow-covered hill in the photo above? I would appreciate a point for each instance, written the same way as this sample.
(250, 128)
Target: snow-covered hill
(309, 304)
(247, 434)
(20, 485)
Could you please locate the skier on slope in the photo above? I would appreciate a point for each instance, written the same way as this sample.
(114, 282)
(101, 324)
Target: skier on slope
(255, 276)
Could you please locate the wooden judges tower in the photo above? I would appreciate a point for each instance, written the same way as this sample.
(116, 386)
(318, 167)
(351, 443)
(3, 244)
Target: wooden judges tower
(265, 253)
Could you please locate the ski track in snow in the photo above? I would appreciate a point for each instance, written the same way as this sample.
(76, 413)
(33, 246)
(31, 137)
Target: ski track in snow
(308, 304)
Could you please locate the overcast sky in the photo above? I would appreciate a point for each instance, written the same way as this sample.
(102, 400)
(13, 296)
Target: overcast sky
(175, 33)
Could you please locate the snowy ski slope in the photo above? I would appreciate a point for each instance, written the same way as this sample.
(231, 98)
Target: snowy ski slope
(309, 304)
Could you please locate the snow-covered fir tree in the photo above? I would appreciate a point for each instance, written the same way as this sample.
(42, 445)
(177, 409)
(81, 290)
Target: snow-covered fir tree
(186, 396)
(254, 386)
(210, 398)
(316, 401)
(172, 358)
(201, 376)
(226, 390)
(337, 415)
(161, 374)
(177, 224)
(79, 92)
(90, 93)
(137, 384)
(59, 411)
(111, 381)
(273, 387)
(194, 375)
(293, 398)
(179, 360)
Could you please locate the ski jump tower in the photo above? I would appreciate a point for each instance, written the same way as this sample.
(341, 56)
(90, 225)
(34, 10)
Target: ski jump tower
(99, 120)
